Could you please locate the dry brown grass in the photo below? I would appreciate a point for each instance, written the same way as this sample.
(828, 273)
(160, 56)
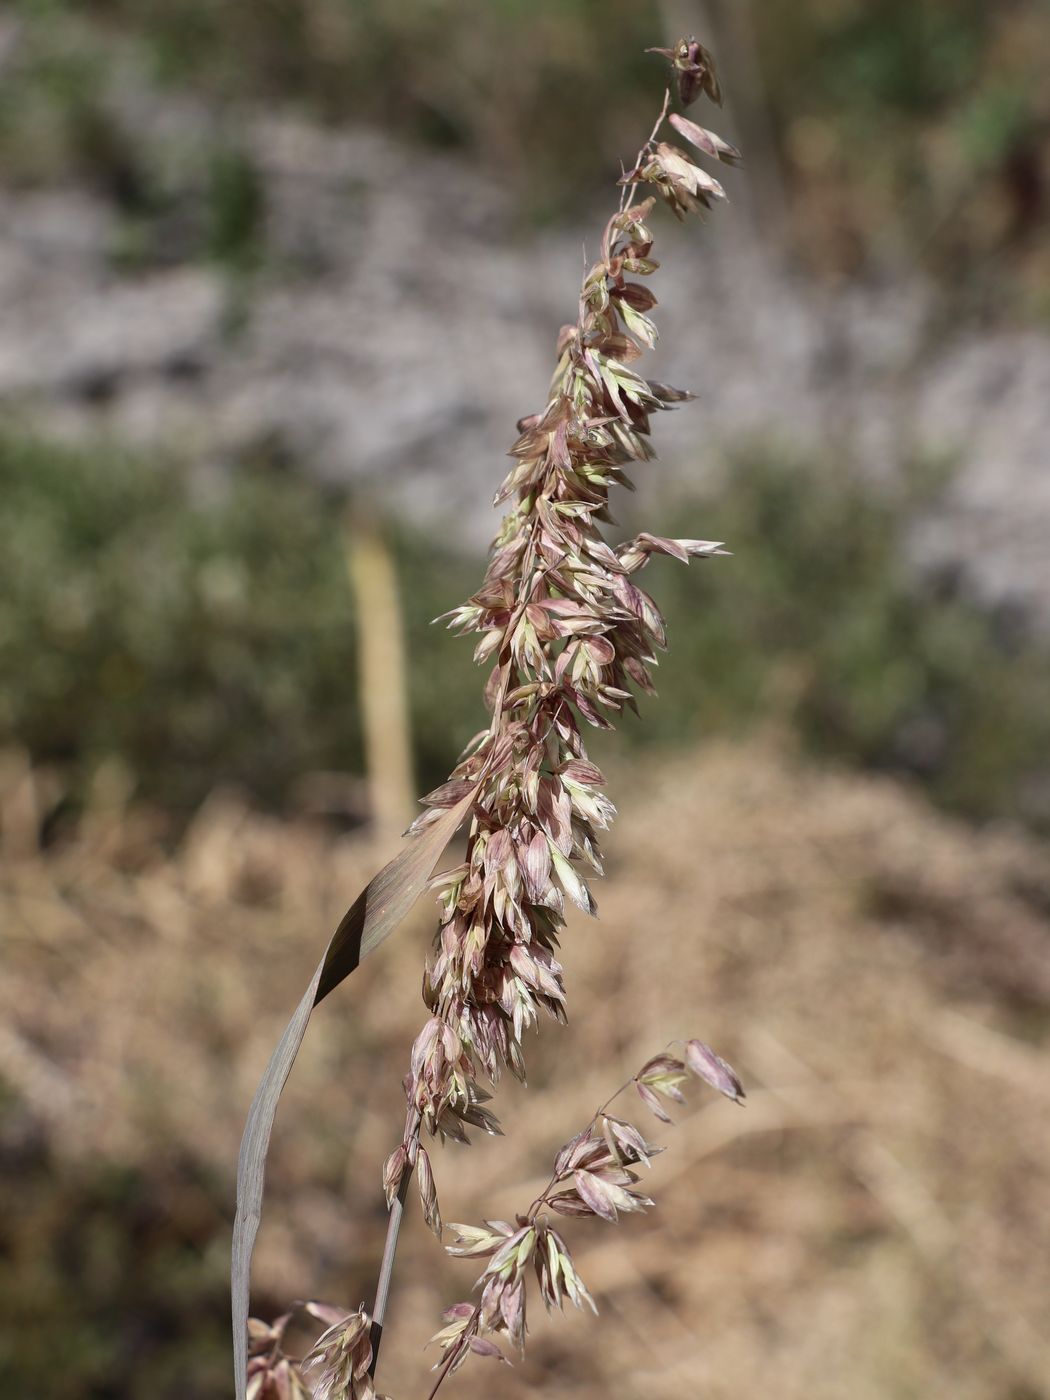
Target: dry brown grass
(874, 1224)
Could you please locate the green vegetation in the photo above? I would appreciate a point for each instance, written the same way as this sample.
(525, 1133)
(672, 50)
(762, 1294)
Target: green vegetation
(207, 635)
(126, 1263)
(920, 123)
(816, 621)
(184, 635)
(200, 634)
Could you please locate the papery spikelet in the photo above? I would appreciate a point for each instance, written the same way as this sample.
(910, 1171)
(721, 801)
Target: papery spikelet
(341, 1356)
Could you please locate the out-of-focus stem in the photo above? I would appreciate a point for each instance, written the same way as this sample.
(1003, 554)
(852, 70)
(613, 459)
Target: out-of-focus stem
(382, 687)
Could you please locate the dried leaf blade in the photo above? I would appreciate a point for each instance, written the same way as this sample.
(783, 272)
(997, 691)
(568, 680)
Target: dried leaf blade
(375, 914)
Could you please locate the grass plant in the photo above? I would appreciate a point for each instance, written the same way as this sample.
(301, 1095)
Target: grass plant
(569, 638)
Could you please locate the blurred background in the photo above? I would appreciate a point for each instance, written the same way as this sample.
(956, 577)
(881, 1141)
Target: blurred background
(276, 280)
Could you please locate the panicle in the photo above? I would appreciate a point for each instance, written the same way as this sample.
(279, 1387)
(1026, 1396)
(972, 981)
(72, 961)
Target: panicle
(569, 639)
(594, 1175)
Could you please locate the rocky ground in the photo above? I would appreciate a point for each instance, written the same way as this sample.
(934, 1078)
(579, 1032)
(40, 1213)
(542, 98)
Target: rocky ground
(400, 322)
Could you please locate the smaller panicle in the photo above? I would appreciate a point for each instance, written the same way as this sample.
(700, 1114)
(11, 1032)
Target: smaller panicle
(594, 1175)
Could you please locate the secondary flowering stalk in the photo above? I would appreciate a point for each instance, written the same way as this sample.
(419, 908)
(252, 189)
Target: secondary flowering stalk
(594, 1175)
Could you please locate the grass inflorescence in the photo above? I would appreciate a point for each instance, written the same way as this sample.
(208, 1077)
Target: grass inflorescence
(569, 640)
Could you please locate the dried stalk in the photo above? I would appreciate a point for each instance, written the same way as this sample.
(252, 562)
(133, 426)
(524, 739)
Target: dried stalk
(386, 728)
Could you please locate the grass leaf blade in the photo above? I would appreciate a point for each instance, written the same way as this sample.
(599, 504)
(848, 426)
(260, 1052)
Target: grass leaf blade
(374, 915)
